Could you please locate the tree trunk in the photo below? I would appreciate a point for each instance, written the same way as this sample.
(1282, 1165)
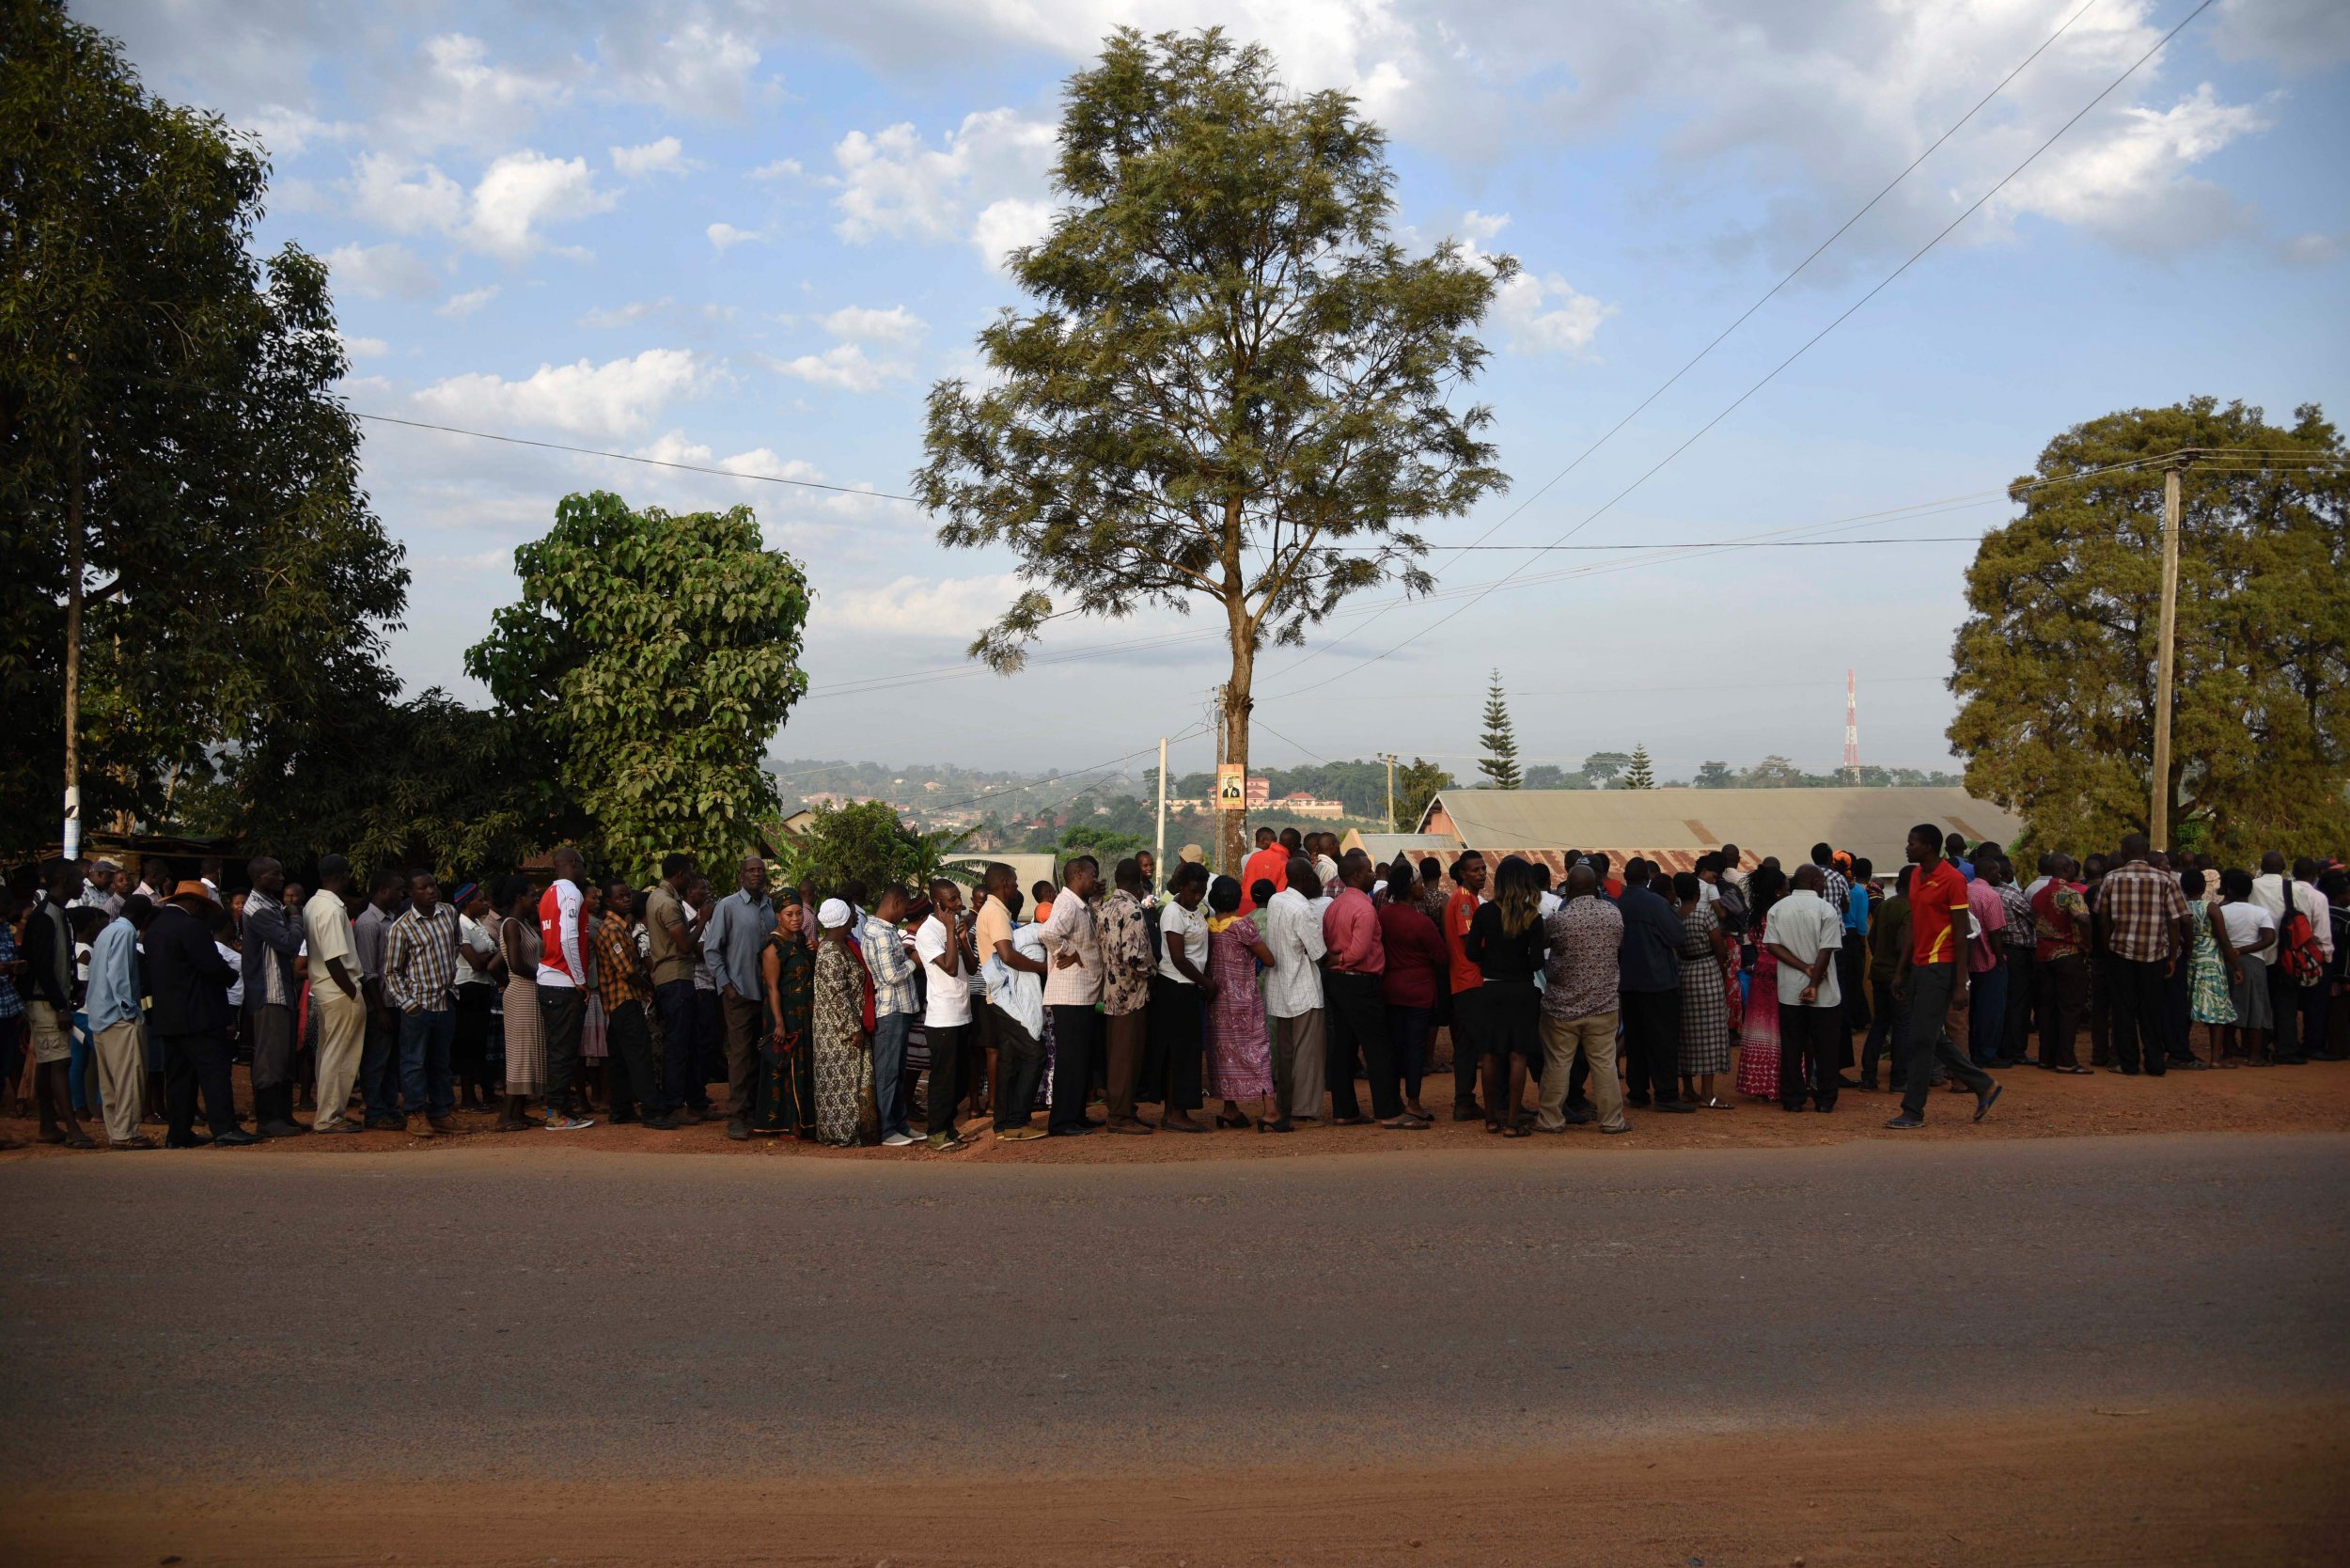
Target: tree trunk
(1231, 828)
(73, 832)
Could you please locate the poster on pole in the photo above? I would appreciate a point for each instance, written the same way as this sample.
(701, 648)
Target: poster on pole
(1232, 787)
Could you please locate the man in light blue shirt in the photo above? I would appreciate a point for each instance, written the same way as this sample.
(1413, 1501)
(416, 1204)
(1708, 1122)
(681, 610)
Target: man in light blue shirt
(738, 927)
(117, 1028)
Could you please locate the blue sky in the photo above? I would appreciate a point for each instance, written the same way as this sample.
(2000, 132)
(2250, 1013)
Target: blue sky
(752, 235)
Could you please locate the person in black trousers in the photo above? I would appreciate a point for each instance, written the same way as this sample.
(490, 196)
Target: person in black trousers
(1650, 965)
(188, 983)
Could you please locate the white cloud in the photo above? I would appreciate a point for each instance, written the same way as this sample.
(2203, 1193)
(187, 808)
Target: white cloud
(763, 461)
(724, 236)
(380, 272)
(459, 307)
(1482, 226)
(620, 397)
(2292, 35)
(782, 168)
(946, 607)
(458, 97)
(1547, 315)
(699, 70)
(287, 133)
(520, 191)
(986, 183)
(843, 365)
(862, 325)
(665, 156)
(386, 193)
(622, 315)
(363, 348)
(2129, 181)
(2314, 250)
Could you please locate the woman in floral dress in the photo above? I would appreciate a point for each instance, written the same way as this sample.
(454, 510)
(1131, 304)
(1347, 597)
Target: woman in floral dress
(844, 1054)
(1240, 1051)
(2207, 977)
(786, 1102)
(1704, 1006)
(1758, 1038)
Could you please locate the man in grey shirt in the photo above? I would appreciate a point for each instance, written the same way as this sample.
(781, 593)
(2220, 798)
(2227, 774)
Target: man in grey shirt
(739, 928)
(379, 1059)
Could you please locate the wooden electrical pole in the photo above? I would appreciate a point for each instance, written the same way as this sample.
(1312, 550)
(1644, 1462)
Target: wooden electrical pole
(1158, 853)
(2166, 659)
(1389, 757)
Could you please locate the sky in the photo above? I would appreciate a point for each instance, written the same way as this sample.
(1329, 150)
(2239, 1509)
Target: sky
(751, 236)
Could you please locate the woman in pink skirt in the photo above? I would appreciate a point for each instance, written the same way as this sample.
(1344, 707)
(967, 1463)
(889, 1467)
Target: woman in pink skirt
(1758, 1033)
(1240, 1052)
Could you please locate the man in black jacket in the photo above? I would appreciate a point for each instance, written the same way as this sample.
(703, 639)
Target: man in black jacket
(49, 1004)
(188, 983)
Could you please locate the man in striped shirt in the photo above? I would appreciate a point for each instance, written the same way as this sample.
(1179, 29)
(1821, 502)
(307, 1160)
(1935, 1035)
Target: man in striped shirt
(625, 991)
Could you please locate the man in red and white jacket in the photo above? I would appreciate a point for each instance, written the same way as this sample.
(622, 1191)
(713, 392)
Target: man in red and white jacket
(562, 980)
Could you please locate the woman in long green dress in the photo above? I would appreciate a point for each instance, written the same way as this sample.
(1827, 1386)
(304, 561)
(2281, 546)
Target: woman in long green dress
(2207, 976)
(786, 1101)
(844, 1055)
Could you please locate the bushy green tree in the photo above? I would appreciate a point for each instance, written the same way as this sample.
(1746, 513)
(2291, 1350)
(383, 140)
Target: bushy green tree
(1235, 389)
(655, 655)
(2056, 659)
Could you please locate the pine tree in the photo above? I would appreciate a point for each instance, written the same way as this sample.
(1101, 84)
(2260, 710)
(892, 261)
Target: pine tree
(1500, 762)
(1639, 776)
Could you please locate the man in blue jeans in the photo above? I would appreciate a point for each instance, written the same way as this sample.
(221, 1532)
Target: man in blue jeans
(420, 981)
(674, 932)
(895, 1003)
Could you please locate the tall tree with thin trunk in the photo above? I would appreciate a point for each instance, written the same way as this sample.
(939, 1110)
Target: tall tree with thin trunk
(1234, 389)
(1501, 740)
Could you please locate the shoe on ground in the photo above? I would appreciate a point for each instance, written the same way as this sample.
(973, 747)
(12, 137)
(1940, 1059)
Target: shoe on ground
(387, 1124)
(738, 1129)
(1626, 1128)
(1011, 1134)
(1073, 1129)
(948, 1143)
(137, 1141)
(1905, 1122)
(344, 1127)
(660, 1123)
(900, 1140)
(235, 1137)
(1848, 1083)
(1985, 1102)
(1465, 1110)
(1578, 1117)
(280, 1129)
(1132, 1125)
(442, 1125)
(558, 1123)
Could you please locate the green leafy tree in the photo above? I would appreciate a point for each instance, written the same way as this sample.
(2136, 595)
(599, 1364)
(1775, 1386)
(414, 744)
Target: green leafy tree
(2055, 661)
(1602, 767)
(864, 840)
(655, 657)
(1715, 776)
(1773, 773)
(1417, 784)
(180, 522)
(1500, 764)
(1234, 391)
(1637, 774)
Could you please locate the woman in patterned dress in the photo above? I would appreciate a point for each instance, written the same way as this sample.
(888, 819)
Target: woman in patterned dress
(787, 1054)
(589, 1082)
(1757, 1038)
(526, 1035)
(1704, 1005)
(2207, 977)
(844, 1054)
(1240, 1051)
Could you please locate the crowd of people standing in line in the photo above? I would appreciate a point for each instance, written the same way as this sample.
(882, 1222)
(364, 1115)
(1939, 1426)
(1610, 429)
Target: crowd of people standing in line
(832, 1017)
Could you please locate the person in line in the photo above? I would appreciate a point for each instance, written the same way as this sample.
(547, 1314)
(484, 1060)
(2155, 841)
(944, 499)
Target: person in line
(1355, 1009)
(675, 934)
(732, 938)
(476, 993)
(520, 950)
(187, 984)
(845, 1116)
(1986, 965)
(1935, 1002)
(420, 981)
(1420, 969)
(943, 944)
(272, 935)
(1650, 967)
(1852, 967)
(563, 949)
(2276, 889)
(1268, 862)
(896, 999)
(1759, 1041)
(1073, 986)
(379, 1058)
(2143, 923)
(337, 999)
(785, 1097)
(1889, 964)
(1178, 992)
(1127, 964)
(117, 1020)
(1240, 1054)
(1467, 986)
(2246, 939)
(626, 993)
(49, 1009)
(1292, 992)
(2060, 924)
(1807, 936)
(1016, 1056)
(1507, 943)
(2212, 968)
(1581, 986)
(1704, 999)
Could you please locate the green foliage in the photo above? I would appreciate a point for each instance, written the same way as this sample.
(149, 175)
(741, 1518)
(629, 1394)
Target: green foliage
(1715, 776)
(1415, 785)
(865, 841)
(1501, 763)
(655, 656)
(1602, 767)
(1637, 774)
(1235, 388)
(2056, 662)
(180, 391)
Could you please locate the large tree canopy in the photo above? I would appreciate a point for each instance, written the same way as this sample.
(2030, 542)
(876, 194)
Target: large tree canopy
(655, 657)
(167, 416)
(1235, 388)
(2056, 660)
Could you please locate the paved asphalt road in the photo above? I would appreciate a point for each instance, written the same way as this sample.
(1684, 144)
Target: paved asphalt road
(221, 1316)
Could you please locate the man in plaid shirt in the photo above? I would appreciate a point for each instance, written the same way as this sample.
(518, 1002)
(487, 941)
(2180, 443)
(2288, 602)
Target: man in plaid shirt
(2142, 922)
(895, 1004)
(625, 990)
(419, 981)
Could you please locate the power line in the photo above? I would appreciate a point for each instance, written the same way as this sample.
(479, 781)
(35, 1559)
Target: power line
(1768, 294)
(1839, 319)
(634, 457)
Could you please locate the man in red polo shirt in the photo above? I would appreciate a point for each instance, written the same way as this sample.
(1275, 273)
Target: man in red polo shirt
(1468, 983)
(1939, 927)
(1269, 863)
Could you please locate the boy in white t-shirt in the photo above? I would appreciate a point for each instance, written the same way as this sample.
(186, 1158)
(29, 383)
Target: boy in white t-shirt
(946, 1011)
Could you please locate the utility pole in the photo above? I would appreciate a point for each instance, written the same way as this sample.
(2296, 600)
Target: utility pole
(2159, 812)
(1389, 757)
(1158, 854)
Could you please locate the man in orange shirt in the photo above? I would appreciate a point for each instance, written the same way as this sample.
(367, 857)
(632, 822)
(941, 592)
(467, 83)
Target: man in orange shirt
(1269, 863)
(1935, 1003)
(1468, 983)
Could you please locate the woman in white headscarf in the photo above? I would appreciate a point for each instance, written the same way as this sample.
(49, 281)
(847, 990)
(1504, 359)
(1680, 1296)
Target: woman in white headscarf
(844, 1053)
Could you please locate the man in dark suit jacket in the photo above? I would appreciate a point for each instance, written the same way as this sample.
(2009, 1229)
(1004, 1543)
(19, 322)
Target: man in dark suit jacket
(188, 983)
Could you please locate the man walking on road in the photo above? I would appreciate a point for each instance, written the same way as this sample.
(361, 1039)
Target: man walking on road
(1937, 942)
